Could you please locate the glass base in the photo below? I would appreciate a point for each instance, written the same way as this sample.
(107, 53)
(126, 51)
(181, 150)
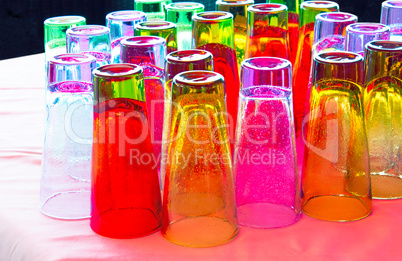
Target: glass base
(266, 215)
(386, 186)
(200, 231)
(336, 208)
(68, 205)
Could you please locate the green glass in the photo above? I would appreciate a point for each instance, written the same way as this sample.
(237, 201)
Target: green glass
(154, 9)
(180, 13)
(167, 30)
(55, 33)
(239, 11)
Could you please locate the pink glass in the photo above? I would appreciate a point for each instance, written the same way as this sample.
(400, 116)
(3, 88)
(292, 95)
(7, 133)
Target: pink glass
(391, 15)
(149, 52)
(266, 176)
(359, 34)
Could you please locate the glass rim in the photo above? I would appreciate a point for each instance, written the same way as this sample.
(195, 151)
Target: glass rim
(56, 21)
(155, 25)
(338, 57)
(202, 78)
(325, 17)
(106, 71)
(234, 3)
(143, 41)
(184, 6)
(72, 59)
(378, 28)
(397, 4)
(318, 5)
(250, 96)
(183, 56)
(283, 63)
(384, 46)
(270, 8)
(216, 16)
(126, 15)
(86, 30)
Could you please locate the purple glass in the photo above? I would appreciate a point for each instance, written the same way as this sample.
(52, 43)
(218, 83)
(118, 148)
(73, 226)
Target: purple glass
(90, 39)
(265, 167)
(330, 31)
(149, 52)
(359, 34)
(391, 15)
(121, 25)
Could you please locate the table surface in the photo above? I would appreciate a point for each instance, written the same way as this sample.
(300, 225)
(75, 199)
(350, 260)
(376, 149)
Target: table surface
(27, 234)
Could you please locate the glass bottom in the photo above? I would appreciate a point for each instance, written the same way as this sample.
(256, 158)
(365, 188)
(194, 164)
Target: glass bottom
(336, 208)
(68, 205)
(125, 223)
(200, 231)
(386, 186)
(266, 215)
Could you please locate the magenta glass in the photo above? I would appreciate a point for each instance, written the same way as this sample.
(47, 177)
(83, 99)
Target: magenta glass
(121, 25)
(265, 167)
(330, 31)
(391, 15)
(90, 39)
(359, 34)
(149, 52)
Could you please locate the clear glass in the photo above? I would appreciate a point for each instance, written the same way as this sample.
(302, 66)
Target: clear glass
(383, 107)
(90, 39)
(267, 31)
(154, 9)
(55, 33)
(239, 11)
(162, 29)
(359, 34)
(66, 158)
(121, 25)
(199, 208)
(180, 13)
(336, 172)
(265, 167)
(126, 199)
(213, 32)
(293, 25)
(391, 15)
(149, 52)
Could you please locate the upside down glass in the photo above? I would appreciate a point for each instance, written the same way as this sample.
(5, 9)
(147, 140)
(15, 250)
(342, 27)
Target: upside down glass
(90, 39)
(149, 52)
(239, 11)
(166, 30)
(213, 32)
(121, 25)
(336, 171)
(391, 15)
(265, 167)
(383, 107)
(125, 194)
(154, 9)
(66, 159)
(199, 208)
(359, 34)
(267, 31)
(180, 13)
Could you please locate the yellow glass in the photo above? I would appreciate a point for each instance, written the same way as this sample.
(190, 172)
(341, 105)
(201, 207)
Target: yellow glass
(199, 208)
(336, 173)
(383, 112)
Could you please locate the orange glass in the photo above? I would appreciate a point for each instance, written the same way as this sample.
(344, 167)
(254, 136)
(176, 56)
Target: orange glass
(336, 172)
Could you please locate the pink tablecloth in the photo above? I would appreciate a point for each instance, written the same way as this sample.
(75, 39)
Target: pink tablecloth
(26, 234)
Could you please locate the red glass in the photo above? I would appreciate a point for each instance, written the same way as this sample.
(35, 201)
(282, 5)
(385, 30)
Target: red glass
(125, 194)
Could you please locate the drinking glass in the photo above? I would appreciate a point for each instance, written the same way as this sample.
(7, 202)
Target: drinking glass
(267, 31)
(265, 167)
(154, 9)
(199, 208)
(336, 172)
(121, 25)
(66, 159)
(383, 106)
(125, 194)
(391, 15)
(162, 29)
(90, 39)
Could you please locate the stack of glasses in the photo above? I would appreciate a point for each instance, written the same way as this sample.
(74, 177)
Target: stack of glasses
(191, 122)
